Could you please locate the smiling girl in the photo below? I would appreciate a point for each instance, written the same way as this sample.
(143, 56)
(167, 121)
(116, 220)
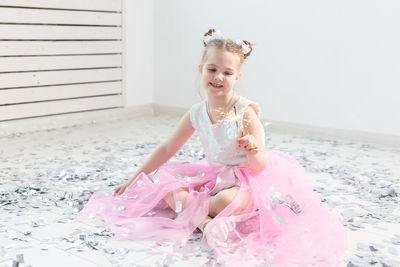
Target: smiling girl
(253, 206)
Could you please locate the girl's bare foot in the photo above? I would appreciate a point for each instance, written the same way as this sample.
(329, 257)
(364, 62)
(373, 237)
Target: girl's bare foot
(219, 232)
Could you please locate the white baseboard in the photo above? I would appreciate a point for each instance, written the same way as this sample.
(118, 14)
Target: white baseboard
(69, 119)
(386, 140)
(176, 111)
(63, 120)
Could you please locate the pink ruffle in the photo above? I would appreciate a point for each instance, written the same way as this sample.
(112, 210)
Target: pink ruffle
(275, 219)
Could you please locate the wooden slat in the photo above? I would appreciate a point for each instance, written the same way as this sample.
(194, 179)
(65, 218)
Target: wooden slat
(59, 56)
(10, 64)
(44, 32)
(104, 5)
(57, 107)
(34, 94)
(27, 79)
(16, 48)
(43, 16)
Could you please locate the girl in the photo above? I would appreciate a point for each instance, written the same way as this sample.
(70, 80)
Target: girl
(250, 204)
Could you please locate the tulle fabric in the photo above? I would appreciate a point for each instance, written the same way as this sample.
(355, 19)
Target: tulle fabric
(275, 218)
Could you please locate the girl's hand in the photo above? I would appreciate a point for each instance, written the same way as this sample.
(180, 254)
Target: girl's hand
(121, 189)
(248, 143)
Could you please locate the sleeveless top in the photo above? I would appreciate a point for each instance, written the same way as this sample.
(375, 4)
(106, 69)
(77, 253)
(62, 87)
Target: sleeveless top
(219, 140)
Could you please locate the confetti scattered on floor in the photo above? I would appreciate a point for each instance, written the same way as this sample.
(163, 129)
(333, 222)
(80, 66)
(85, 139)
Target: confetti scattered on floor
(47, 176)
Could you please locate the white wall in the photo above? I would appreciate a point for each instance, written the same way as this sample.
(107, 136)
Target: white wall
(139, 69)
(329, 64)
(323, 63)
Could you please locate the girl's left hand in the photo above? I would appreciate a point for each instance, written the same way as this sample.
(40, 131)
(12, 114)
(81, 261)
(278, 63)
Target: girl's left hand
(248, 143)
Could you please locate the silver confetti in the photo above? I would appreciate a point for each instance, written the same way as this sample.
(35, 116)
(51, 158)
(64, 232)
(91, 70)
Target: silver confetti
(281, 219)
(357, 180)
(2, 251)
(277, 194)
(82, 237)
(178, 206)
(140, 182)
(276, 201)
(121, 208)
(20, 258)
(292, 204)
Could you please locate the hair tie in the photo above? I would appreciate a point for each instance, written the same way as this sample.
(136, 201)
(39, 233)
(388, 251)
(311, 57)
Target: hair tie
(243, 45)
(214, 35)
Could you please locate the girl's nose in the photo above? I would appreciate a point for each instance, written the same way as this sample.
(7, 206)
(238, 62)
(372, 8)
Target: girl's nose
(219, 76)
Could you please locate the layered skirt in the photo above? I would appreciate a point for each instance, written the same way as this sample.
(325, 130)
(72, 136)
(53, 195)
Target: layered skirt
(275, 218)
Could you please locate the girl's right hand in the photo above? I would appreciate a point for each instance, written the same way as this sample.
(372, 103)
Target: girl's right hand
(121, 189)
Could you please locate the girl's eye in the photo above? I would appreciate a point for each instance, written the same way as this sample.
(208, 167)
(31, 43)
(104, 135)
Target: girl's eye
(211, 70)
(228, 73)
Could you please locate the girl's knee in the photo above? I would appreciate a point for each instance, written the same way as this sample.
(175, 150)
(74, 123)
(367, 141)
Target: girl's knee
(229, 195)
(221, 200)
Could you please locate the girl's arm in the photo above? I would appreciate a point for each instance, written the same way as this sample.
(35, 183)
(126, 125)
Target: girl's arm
(165, 151)
(252, 142)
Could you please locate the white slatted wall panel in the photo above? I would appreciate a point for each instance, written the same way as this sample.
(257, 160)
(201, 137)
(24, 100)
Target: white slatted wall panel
(59, 56)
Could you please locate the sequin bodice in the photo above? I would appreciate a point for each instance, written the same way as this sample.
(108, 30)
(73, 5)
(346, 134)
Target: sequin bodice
(219, 139)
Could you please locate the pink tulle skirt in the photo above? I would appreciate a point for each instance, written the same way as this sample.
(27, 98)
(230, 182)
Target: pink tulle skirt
(275, 218)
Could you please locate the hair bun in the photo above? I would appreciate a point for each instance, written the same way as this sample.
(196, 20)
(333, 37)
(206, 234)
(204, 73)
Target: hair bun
(209, 33)
(250, 45)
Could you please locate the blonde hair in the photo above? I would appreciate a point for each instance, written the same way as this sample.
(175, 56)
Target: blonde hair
(225, 45)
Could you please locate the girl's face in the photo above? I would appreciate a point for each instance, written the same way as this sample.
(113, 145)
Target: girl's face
(220, 72)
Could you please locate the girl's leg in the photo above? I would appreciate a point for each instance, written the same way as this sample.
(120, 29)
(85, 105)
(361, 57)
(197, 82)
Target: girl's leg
(203, 223)
(181, 194)
(220, 231)
(217, 202)
(223, 198)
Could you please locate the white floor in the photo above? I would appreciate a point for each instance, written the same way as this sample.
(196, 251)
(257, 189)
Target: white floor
(45, 177)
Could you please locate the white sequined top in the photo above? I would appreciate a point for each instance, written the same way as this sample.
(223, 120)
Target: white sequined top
(219, 140)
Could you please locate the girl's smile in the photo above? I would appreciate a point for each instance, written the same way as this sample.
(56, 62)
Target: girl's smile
(216, 85)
